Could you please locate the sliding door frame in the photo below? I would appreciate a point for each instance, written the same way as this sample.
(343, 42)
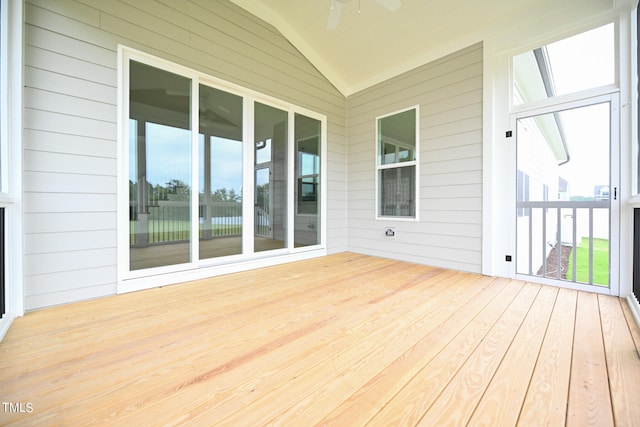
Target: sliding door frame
(131, 280)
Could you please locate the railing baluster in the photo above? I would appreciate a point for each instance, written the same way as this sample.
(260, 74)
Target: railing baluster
(575, 240)
(558, 244)
(590, 246)
(531, 241)
(544, 242)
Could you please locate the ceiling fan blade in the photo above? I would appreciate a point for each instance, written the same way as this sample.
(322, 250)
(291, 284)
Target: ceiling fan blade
(334, 15)
(391, 5)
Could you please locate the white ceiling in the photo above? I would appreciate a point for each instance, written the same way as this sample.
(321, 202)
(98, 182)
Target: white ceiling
(372, 44)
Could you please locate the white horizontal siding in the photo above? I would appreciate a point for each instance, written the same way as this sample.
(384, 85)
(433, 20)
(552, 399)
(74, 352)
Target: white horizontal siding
(70, 121)
(43, 161)
(53, 283)
(63, 296)
(449, 231)
(58, 222)
(68, 182)
(43, 243)
(63, 143)
(56, 262)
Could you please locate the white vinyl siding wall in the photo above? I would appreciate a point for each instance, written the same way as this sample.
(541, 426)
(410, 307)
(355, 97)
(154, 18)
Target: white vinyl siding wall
(70, 120)
(449, 231)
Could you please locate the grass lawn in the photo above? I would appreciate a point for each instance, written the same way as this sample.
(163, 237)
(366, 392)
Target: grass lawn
(600, 262)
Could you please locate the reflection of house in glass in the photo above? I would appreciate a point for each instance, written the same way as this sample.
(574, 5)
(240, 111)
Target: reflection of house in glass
(601, 192)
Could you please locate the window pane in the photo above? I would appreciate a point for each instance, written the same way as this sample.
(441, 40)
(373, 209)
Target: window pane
(397, 191)
(397, 145)
(160, 169)
(308, 195)
(270, 214)
(307, 220)
(220, 173)
(397, 138)
(576, 63)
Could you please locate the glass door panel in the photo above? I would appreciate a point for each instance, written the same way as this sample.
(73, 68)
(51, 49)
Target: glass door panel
(270, 183)
(307, 189)
(220, 174)
(564, 195)
(159, 168)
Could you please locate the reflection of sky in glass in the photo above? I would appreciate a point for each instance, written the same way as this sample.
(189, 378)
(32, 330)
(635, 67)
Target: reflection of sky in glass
(263, 154)
(309, 164)
(226, 164)
(168, 154)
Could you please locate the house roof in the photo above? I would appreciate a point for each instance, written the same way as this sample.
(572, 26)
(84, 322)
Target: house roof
(371, 43)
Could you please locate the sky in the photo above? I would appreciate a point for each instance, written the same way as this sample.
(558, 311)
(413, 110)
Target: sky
(169, 158)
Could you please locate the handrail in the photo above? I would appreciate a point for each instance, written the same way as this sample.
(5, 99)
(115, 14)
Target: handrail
(605, 203)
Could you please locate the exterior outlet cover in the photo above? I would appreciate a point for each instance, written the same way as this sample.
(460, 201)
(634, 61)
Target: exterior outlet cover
(390, 233)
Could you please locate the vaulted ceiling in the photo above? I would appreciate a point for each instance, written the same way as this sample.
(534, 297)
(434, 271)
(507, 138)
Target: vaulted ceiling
(371, 44)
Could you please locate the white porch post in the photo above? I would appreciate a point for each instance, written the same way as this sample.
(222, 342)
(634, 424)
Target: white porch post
(11, 63)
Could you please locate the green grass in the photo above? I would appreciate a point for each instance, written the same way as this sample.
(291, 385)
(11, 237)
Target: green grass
(600, 262)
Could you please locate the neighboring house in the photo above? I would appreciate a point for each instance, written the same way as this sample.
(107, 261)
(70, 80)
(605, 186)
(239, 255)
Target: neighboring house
(98, 148)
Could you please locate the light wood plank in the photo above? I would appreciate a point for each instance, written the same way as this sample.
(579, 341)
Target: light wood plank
(589, 397)
(341, 340)
(457, 402)
(424, 389)
(501, 403)
(546, 402)
(359, 370)
(622, 358)
(363, 405)
(395, 330)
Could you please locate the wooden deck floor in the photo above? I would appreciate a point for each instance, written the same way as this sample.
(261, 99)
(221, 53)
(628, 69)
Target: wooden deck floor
(344, 340)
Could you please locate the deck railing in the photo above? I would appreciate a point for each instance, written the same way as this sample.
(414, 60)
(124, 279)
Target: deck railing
(171, 224)
(560, 225)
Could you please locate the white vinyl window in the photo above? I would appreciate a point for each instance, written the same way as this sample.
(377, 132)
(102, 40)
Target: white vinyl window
(397, 164)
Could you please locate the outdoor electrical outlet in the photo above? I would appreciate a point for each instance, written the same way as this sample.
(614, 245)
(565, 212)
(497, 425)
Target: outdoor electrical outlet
(507, 258)
(390, 233)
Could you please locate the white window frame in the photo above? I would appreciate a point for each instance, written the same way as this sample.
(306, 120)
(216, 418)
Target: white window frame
(379, 166)
(197, 269)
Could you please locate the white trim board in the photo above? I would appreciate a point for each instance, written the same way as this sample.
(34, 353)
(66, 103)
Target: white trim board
(634, 306)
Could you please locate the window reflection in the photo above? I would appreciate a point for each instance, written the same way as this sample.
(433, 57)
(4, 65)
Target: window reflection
(160, 167)
(220, 173)
(165, 216)
(307, 136)
(270, 201)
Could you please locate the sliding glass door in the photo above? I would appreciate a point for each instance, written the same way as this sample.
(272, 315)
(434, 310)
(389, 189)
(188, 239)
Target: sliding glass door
(247, 183)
